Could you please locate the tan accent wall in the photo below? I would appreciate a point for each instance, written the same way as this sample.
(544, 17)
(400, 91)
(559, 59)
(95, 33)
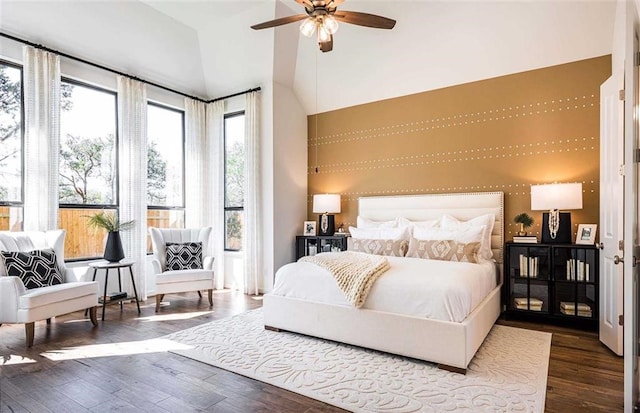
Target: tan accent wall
(501, 134)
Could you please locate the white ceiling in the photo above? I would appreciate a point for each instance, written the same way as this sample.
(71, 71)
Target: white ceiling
(207, 48)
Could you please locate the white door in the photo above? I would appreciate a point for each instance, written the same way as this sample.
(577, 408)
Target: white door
(611, 212)
(631, 230)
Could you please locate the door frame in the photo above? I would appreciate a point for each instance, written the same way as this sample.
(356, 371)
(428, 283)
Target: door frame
(630, 233)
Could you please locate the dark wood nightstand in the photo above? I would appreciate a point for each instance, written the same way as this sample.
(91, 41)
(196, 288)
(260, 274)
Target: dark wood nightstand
(311, 245)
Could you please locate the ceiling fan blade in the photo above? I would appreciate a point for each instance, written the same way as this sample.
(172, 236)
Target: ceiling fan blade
(364, 19)
(326, 46)
(279, 22)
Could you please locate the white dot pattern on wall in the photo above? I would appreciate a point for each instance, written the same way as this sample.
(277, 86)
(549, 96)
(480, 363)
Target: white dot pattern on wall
(493, 115)
(475, 154)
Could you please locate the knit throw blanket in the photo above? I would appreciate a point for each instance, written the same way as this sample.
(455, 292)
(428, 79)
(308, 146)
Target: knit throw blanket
(355, 272)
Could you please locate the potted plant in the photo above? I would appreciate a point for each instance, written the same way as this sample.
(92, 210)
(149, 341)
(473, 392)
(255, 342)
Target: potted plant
(110, 222)
(525, 221)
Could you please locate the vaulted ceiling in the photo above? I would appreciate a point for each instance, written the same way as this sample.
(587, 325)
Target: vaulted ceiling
(207, 48)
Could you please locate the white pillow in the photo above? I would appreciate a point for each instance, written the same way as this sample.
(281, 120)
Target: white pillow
(405, 223)
(367, 223)
(487, 221)
(379, 233)
(462, 235)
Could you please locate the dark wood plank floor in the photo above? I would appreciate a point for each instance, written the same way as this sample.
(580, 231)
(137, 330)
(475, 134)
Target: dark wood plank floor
(583, 375)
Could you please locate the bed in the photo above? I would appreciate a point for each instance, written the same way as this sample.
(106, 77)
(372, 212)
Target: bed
(449, 344)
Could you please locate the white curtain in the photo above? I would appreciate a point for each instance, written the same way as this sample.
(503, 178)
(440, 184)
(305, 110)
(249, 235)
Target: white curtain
(195, 157)
(41, 139)
(132, 152)
(215, 172)
(252, 195)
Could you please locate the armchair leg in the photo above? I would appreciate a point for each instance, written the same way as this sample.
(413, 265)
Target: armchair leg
(29, 329)
(159, 298)
(210, 291)
(48, 320)
(93, 314)
(199, 294)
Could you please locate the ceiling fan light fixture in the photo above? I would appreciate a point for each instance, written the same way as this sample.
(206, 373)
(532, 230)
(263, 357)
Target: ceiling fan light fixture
(323, 34)
(330, 23)
(308, 26)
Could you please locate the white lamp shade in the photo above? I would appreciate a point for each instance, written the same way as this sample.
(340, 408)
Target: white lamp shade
(556, 196)
(326, 203)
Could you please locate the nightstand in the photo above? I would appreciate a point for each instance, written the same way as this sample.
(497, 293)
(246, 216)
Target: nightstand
(312, 245)
(552, 282)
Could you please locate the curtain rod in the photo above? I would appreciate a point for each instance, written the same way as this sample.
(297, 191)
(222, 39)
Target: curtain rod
(108, 69)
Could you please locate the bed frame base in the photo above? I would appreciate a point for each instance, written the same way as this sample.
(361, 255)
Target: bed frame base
(452, 369)
(450, 344)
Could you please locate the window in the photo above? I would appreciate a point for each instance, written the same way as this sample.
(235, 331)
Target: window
(11, 133)
(233, 180)
(88, 164)
(165, 167)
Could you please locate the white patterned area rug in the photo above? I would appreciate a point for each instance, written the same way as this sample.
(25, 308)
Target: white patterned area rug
(508, 373)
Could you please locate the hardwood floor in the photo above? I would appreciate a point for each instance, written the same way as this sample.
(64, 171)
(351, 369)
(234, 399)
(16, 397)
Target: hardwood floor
(584, 376)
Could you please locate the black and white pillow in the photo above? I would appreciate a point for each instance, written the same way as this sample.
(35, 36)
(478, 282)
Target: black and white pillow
(185, 256)
(36, 269)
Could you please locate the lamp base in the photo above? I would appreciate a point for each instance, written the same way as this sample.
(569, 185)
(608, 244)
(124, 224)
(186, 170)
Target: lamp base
(330, 225)
(563, 236)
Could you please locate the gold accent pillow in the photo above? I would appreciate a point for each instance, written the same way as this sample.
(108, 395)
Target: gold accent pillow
(387, 247)
(444, 250)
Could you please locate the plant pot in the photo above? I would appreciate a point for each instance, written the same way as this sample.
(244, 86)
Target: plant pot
(113, 251)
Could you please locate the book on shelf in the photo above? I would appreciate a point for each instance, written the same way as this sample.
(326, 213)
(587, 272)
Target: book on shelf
(577, 270)
(570, 305)
(525, 240)
(522, 303)
(581, 313)
(528, 266)
(116, 295)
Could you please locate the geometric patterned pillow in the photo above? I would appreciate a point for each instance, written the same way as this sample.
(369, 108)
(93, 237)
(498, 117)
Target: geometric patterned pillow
(444, 250)
(387, 247)
(37, 268)
(185, 256)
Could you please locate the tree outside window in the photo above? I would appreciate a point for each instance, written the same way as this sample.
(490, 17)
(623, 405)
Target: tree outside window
(234, 180)
(10, 147)
(165, 167)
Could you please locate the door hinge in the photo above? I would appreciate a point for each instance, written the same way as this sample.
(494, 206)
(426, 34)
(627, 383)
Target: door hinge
(621, 319)
(636, 155)
(621, 94)
(621, 170)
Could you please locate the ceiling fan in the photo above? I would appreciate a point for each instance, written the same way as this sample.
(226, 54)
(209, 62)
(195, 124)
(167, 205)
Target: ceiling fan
(323, 16)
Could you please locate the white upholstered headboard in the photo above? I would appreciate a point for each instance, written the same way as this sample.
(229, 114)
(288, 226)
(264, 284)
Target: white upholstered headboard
(433, 206)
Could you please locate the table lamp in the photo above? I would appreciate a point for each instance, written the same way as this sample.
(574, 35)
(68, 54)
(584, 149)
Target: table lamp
(326, 204)
(556, 225)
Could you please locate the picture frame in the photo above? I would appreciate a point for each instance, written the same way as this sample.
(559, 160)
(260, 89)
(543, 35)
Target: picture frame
(309, 229)
(586, 234)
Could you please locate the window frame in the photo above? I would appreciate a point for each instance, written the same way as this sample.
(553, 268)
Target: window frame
(107, 207)
(224, 200)
(22, 134)
(184, 167)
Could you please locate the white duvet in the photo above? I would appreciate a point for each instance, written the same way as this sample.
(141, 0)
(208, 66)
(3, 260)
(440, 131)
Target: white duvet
(441, 290)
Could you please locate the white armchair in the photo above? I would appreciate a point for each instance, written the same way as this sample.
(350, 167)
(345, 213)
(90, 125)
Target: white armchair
(177, 281)
(21, 305)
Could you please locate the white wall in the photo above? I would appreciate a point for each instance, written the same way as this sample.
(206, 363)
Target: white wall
(290, 175)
